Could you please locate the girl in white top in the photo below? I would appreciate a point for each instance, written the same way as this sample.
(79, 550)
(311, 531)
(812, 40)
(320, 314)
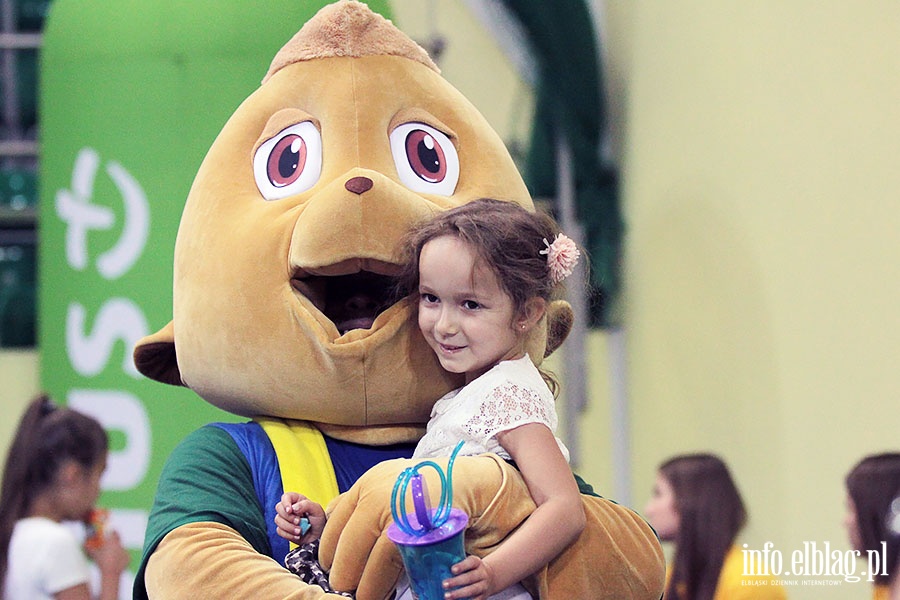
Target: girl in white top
(52, 475)
(483, 274)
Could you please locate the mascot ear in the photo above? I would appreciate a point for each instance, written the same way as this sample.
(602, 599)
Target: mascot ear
(154, 356)
(560, 318)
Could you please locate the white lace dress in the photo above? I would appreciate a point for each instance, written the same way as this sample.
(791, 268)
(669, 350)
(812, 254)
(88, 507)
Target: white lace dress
(510, 394)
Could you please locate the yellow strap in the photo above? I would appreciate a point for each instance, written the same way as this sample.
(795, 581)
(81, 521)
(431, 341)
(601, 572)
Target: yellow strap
(303, 459)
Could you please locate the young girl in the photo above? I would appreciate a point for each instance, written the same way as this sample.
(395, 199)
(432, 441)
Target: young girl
(483, 274)
(52, 474)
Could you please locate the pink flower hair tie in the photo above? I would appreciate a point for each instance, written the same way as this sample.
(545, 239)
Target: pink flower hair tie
(562, 256)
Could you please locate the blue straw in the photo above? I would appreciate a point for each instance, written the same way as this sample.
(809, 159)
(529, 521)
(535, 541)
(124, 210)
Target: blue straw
(446, 502)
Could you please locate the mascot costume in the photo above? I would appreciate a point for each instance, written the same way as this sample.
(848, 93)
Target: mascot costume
(282, 314)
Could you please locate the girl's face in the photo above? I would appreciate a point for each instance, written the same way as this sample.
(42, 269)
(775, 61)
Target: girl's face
(851, 524)
(660, 510)
(464, 314)
(82, 490)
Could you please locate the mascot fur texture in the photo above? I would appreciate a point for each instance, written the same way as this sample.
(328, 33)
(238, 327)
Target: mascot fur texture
(281, 314)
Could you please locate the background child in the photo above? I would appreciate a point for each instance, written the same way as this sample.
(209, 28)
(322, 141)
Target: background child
(52, 474)
(697, 506)
(873, 513)
(484, 273)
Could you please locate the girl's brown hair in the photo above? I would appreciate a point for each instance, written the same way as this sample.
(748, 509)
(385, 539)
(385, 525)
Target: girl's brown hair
(47, 437)
(505, 237)
(711, 513)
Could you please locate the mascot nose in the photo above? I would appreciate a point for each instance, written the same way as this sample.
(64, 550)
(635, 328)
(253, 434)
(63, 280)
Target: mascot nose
(358, 185)
(342, 229)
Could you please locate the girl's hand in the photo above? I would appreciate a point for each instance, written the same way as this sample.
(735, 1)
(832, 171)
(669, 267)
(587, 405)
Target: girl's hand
(472, 578)
(109, 555)
(290, 510)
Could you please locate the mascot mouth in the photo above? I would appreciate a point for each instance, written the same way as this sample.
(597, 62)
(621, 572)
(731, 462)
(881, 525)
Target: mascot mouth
(349, 301)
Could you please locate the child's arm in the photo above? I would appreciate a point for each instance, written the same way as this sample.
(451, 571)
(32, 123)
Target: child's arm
(554, 525)
(290, 513)
(111, 559)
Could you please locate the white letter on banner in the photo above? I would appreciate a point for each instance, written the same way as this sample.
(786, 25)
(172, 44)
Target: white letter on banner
(121, 411)
(117, 261)
(75, 209)
(118, 319)
(131, 525)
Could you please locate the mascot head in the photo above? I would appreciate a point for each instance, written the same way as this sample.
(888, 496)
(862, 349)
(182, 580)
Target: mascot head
(288, 241)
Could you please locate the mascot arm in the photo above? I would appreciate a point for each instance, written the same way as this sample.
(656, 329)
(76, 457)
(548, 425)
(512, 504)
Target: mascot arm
(211, 560)
(355, 546)
(207, 534)
(617, 555)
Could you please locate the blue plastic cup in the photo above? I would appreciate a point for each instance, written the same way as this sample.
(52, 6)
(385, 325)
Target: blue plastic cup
(428, 557)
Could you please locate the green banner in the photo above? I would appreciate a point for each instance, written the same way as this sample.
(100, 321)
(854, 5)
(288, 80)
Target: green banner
(132, 95)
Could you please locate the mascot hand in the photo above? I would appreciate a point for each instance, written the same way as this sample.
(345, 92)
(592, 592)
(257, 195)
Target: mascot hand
(355, 547)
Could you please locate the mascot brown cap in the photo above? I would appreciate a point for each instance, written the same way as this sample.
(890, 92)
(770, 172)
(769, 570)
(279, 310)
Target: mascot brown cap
(289, 236)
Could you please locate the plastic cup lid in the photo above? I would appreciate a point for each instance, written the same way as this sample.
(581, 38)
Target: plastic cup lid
(455, 524)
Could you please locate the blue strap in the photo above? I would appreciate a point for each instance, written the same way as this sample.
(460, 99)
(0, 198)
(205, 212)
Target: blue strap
(256, 447)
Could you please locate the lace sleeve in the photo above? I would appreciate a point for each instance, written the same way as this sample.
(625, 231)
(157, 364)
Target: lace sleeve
(507, 406)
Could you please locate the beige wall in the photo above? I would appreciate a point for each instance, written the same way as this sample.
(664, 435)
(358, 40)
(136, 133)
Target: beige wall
(760, 145)
(18, 385)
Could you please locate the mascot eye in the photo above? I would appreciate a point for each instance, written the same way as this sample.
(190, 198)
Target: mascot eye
(425, 158)
(289, 162)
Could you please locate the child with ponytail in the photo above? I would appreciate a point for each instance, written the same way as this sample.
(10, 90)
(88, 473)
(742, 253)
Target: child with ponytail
(52, 474)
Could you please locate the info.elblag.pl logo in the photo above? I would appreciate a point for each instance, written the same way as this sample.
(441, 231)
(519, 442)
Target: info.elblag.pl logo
(815, 561)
